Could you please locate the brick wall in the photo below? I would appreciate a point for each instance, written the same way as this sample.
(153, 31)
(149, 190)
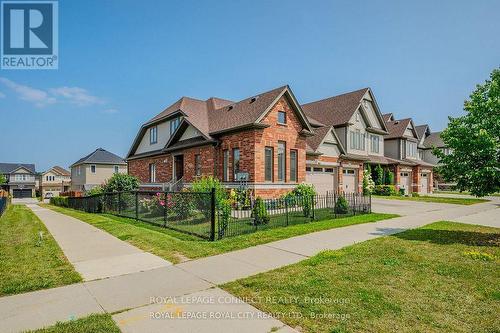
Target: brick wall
(140, 168)
(208, 165)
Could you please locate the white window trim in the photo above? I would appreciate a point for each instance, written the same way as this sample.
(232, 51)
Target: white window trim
(95, 168)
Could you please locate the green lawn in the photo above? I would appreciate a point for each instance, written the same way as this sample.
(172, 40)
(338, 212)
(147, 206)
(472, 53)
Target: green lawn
(427, 198)
(27, 262)
(96, 323)
(176, 247)
(464, 192)
(443, 277)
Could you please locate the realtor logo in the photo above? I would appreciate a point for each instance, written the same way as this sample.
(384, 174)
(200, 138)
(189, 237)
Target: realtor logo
(29, 35)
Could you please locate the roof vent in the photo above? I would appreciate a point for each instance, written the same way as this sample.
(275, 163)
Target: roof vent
(396, 122)
(253, 99)
(229, 108)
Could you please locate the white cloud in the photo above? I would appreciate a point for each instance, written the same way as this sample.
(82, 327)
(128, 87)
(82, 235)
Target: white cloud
(2, 95)
(26, 93)
(110, 111)
(76, 95)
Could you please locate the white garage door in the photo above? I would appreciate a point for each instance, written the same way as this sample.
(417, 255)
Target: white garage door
(424, 179)
(405, 181)
(323, 179)
(349, 180)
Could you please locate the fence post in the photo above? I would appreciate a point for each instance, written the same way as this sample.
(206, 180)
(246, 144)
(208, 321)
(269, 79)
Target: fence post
(212, 214)
(312, 204)
(354, 202)
(119, 203)
(370, 199)
(165, 212)
(136, 205)
(286, 209)
(334, 204)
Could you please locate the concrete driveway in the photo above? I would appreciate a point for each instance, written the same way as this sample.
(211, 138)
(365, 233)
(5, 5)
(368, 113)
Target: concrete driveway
(24, 201)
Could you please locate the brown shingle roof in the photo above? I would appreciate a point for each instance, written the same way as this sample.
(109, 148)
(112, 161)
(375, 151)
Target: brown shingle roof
(61, 171)
(336, 110)
(421, 129)
(387, 117)
(319, 134)
(396, 128)
(434, 139)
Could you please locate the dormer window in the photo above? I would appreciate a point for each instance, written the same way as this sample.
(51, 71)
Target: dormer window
(282, 117)
(174, 123)
(153, 135)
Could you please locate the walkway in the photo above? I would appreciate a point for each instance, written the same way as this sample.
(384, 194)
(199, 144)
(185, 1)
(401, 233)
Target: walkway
(95, 254)
(145, 296)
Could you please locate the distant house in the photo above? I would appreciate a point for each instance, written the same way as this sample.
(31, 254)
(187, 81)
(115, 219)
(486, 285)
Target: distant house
(433, 140)
(20, 179)
(95, 168)
(54, 181)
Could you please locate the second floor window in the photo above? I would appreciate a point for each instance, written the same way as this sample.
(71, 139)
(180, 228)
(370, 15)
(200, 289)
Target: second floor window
(92, 168)
(236, 162)
(197, 165)
(281, 117)
(268, 164)
(411, 149)
(357, 140)
(374, 143)
(152, 173)
(281, 161)
(293, 165)
(174, 123)
(153, 135)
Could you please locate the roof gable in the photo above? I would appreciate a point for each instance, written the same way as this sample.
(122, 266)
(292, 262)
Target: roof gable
(397, 129)
(100, 156)
(6, 168)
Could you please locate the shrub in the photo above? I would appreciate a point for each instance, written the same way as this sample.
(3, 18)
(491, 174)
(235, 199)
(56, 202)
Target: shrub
(401, 191)
(301, 196)
(94, 191)
(121, 182)
(389, 178)
(384, 190)
(415, 195)
(224, 216)
(368, 184)
(259, 212)
(183, 204)
(206, 183)
(379, 175)
(59, 201)
(341, 206)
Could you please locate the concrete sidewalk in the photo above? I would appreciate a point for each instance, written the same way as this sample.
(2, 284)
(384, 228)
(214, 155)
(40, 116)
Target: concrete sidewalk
(192, 284)
(95, 254)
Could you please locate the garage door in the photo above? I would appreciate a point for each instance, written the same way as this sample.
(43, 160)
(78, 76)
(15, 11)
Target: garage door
(18, 193)
(424, 179)
(349, 180)
(405, 181)
(323, 179)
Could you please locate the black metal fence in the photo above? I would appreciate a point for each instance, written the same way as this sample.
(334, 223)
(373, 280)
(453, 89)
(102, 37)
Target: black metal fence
(3, 204)
(198, 213)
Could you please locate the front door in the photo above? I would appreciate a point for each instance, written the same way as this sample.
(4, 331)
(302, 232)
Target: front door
(178, 166)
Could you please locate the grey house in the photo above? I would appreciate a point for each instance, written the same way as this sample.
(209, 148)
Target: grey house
(95, 169)
(21, 179)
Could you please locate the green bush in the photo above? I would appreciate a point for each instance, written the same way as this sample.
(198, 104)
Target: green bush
(94, 191)
(259, 212)
(205, 185)
(301, 196)
(341, 206)
(121, 182)
(384, 190)
(59, 201)
(389, 177)
(379, 175)
(182, 204)
(415, 195)
(224, 216)
(401, 191)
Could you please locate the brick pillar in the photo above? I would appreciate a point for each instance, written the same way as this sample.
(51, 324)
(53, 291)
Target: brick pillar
(431, 182)
(360, 178)
(416, 182)
(340, 178)
(397, 177)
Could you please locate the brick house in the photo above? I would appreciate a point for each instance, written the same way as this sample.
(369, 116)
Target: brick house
(403, 144)
(349, 134)
(260, 141)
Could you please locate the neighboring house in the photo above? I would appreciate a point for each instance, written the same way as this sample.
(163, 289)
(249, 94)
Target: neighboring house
(95, 168)
(430, 141)
(259, 142)
(20, 179)
(54, 181)
(349, 132)
(402, 144)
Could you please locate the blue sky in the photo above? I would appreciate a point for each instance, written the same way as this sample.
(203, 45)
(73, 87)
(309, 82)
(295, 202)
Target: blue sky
(122, 62)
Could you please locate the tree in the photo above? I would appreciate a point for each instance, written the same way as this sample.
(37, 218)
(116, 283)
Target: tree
(474, 142)
(3, 180)
(368, 183)
(121, 182)
(379, 175)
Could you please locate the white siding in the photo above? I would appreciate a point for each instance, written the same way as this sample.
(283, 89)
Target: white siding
(329, 149)
(357, 124)
(163, 134)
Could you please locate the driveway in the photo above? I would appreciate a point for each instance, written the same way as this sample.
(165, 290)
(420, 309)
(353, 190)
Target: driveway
(24, 201)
